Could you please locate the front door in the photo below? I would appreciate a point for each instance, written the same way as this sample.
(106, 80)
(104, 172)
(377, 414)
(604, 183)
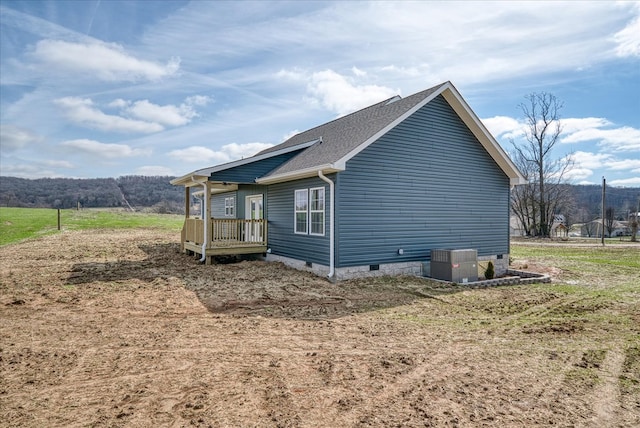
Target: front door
(254, 211)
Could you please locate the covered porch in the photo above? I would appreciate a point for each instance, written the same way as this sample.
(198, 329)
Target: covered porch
(225, 237)
(207, 234)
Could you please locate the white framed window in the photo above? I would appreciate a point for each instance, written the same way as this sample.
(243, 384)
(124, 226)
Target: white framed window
(316, 211)
(309, 211)
(230, 206)
(301, 211)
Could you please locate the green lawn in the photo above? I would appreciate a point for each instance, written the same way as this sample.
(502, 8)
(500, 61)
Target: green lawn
(17, 224)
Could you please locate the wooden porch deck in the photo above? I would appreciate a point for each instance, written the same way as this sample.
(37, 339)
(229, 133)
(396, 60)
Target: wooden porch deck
(226, 237)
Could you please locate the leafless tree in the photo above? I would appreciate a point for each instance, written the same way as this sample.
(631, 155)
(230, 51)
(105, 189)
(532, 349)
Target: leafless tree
(609, 220)
(535, 203)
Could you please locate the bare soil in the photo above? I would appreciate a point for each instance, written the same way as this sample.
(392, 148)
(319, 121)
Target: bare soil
(117, 328)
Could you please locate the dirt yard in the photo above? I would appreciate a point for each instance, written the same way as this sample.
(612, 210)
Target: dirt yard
(117, 328)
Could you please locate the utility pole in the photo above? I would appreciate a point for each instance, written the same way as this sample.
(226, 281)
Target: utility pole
(604, 186)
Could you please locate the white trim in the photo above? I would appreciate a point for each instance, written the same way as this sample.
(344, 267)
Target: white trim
(322, 192)
(296, 211)
(231, 207)
(255, 233)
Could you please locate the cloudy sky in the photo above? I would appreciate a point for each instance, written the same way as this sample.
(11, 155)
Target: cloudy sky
(108, 88)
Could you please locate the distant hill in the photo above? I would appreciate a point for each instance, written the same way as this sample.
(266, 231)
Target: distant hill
(132, 191)
(155, 193)
(587, 201)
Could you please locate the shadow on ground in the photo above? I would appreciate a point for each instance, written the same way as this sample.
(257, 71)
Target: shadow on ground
(258, 288)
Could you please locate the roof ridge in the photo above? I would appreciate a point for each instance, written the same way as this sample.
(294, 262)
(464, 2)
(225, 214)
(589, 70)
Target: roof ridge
(360, 117)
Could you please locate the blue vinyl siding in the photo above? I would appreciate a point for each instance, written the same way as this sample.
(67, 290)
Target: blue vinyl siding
(217, 200)
(217, 204)
(249, 172)
(428, 183)
(281, 237)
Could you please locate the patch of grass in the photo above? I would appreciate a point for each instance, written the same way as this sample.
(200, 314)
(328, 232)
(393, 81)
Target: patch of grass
(18, 224)
(590, 257)
(630, 377)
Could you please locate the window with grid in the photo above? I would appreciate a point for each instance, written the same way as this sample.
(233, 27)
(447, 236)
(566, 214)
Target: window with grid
(316, 210)
(301, 208)
(230, 207)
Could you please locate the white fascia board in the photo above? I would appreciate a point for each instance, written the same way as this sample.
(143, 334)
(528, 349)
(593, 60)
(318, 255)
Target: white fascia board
(301, 173)
(487, 140)
(216, 190)
(342, 163)
(189, 180)
(185, 180)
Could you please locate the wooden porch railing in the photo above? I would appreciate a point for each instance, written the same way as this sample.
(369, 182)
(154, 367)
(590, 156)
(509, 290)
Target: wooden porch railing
(226, 232)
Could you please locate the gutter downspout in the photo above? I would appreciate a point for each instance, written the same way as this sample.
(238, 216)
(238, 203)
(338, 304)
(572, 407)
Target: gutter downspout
(205, 214)
(331, 225)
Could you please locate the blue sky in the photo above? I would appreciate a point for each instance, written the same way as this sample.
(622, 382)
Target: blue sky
(110, 88)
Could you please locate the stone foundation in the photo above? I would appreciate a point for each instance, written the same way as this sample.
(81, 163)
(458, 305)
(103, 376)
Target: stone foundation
(385, 269)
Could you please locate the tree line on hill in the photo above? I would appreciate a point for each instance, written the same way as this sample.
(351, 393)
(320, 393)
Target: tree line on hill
(131, 192)
(156, 194)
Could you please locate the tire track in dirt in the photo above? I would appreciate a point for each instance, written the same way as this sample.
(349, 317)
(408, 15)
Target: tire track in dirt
(606, 397)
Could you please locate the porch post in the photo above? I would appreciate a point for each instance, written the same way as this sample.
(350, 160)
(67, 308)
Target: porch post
(187, 206)
(187, 202)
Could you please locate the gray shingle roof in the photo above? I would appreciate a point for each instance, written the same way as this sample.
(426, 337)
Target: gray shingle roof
(342, 135)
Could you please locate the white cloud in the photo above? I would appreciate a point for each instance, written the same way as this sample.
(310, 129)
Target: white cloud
(102, 150)
(198, 154)
(625, 164)
(571, 125)
(338, 93)
(293, 74)
(170, 115)
(587, 162)
(15, 138)
(504, 126)
(107, 62)
(82, 112)
(590, 160)
(290, 134)
(28, 170)
(227, 153)
(167, 115)
(240, 151)
(624, 139)
(341, 95)
(58, 164)
(577, 173)
(119, 103)
(198, 100)
(153, 170)
(628, 39)
(411, 71)
(574, 130)
(626, 182)
(357, 72)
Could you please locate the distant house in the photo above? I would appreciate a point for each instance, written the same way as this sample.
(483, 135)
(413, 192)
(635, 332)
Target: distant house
(594, 229)
(370, 193)
(515, 227)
